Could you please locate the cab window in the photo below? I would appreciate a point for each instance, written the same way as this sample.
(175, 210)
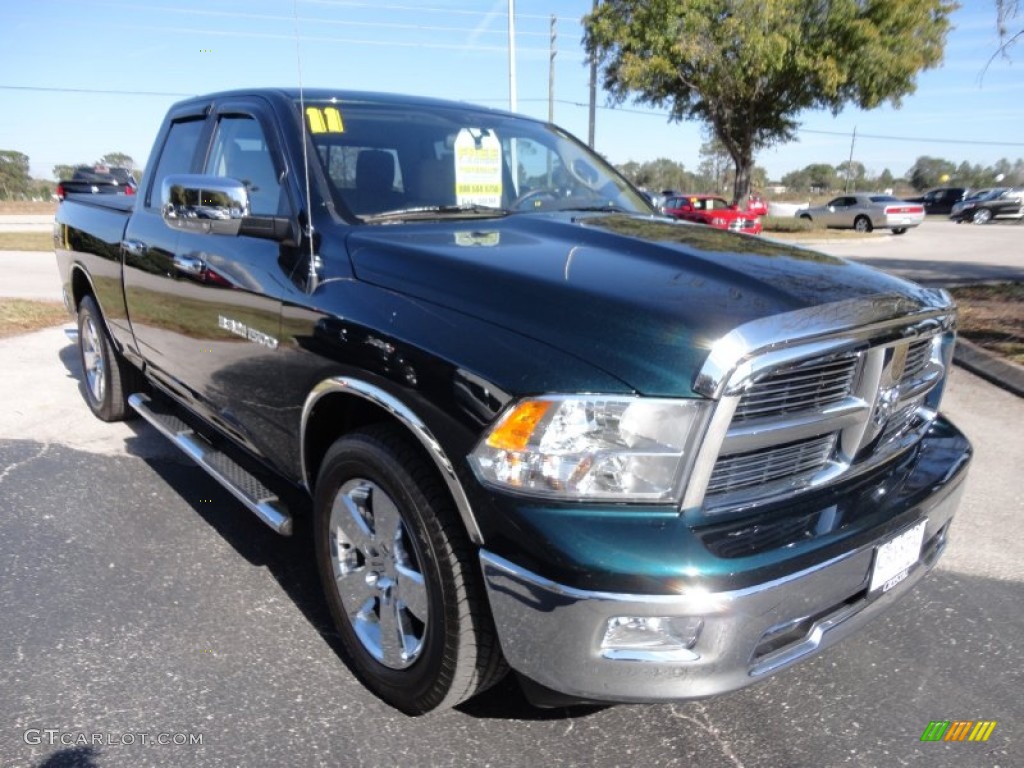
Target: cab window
(240, 152)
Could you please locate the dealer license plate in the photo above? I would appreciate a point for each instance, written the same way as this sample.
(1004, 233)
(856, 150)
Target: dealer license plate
(895, 558)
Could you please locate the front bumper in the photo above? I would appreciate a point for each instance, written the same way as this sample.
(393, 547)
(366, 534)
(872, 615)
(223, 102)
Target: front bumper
(552, 633)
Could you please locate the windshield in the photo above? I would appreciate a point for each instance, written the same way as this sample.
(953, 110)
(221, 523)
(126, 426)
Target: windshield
(419, 157)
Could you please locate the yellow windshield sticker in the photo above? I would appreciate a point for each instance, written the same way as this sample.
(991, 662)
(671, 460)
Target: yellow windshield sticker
(326, 120)
(333, 117)
(477, 168)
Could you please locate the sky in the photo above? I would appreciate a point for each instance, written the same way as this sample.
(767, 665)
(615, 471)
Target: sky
(81, 78)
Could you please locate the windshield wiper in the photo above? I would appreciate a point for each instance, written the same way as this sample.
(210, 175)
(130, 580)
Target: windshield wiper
(472, 211)
(609, 208)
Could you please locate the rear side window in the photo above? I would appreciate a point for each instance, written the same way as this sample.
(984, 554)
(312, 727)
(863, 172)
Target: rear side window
(176, 156)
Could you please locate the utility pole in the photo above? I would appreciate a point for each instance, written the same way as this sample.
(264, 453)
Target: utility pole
(593, 92)
(551, 69)
(512, 97)
(849, 163)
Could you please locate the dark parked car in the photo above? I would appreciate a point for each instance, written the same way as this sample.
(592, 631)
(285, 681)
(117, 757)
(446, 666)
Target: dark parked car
(940, 200)
(998, 203)
(98, 181)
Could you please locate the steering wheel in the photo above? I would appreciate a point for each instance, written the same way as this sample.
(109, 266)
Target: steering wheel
(535, 199)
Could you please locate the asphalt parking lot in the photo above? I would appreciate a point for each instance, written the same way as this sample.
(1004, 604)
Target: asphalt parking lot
(139, 599)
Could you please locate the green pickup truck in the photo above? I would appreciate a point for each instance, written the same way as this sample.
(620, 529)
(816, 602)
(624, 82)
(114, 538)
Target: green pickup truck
(538, 426)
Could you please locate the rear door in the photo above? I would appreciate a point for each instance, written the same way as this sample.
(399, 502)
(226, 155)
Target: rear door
(216, 328)
(149, 247)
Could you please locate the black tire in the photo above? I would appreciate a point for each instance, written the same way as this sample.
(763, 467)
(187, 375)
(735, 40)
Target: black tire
(107, 378)
(863, 224)
(805, 217)
(420, 581)
(981, 216)
(900, 231)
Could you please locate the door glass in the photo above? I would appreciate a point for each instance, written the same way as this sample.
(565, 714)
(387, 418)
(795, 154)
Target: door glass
(177, 154)
(240, 152)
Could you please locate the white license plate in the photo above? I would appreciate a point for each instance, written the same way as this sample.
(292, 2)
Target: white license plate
(895, 558)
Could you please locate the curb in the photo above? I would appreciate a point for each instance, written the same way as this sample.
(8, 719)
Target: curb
(1004, 374)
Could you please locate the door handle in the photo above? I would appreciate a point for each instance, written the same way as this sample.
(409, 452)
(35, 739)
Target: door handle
(133, 247)
(190, 265)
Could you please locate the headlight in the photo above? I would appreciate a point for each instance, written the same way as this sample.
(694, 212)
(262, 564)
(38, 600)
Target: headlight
(592, 447)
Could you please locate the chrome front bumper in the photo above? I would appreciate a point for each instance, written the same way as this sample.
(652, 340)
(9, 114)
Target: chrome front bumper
(553, 634)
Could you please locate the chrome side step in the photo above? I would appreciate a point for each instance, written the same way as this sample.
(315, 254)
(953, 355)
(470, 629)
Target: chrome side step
(242, 484)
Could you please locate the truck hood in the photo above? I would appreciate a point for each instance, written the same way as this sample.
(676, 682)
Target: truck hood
(641, 298)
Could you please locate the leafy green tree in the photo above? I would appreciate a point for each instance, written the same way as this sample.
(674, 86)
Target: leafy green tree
(816, 177)
(15, 183)
(852, 173)
(61, 172)
(928, 172)
(885, 179)
(747, 68)
(118, 159)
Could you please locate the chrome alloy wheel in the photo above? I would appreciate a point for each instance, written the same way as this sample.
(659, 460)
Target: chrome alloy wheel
(377, 573)
(92, 360)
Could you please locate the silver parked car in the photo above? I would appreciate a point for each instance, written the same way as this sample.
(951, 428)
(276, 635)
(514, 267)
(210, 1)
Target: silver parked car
(865, 212)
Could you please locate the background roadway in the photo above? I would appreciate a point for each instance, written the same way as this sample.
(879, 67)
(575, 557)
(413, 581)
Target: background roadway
(138, 596)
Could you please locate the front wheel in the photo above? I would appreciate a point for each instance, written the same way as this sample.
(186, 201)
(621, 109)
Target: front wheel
(107, 376)
(399, 575)
(981, 216)
(862, 224)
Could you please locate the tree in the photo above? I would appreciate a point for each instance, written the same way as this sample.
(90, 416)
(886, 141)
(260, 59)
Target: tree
(1006, 22)
(885, 179)
(61, 172)
(747, 68)
(118, 160)
(928, 172)
(852, 173)
(714, 164)
(816, 177)
(15, 183)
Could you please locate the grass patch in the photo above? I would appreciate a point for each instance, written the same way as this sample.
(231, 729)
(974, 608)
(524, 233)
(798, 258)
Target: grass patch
(992, 316)
(788, 224)
(40, 208)
(24, 315)
(26, 241)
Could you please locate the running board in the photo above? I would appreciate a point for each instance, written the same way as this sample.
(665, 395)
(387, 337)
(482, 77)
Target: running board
(242, 484)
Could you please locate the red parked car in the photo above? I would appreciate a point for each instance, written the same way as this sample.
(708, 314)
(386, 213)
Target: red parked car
(757, 205)
(713, 211)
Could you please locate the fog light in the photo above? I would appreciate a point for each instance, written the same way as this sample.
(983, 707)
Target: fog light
(651, 638)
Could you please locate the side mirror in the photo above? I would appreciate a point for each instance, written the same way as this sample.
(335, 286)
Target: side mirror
(209, 204)
(686, 208)
(215, 205)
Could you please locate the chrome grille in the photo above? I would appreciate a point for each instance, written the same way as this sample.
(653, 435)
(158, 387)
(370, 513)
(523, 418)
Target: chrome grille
(806, 422)
(918, 356)
(756, 468)
(810, 386)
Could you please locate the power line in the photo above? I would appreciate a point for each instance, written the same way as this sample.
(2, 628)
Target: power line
(317, 20)
(844, 134)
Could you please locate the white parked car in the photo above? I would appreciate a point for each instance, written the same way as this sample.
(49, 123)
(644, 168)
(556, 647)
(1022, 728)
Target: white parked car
(865, 212)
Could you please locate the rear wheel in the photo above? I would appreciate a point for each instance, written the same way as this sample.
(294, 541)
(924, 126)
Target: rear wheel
(107, 377)
(981, 216)
(862, 224)
(900, 231)
(399, 575)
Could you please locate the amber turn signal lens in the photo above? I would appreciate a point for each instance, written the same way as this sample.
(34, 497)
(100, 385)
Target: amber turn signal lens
(515, 430)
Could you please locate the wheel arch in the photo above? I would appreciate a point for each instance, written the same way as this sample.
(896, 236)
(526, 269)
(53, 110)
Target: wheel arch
(81, 286)
(339, 404)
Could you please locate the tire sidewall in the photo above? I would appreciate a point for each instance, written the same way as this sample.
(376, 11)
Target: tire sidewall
(359, 457)
(88, 311)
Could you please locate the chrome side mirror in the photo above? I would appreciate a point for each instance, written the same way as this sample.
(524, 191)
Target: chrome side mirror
(210, 204)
